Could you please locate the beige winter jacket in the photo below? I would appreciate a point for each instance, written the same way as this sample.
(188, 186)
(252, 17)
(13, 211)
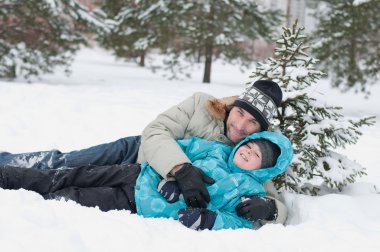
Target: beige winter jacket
(200, 115)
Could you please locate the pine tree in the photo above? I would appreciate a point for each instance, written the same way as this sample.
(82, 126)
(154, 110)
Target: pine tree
(314, 128)
(190, 29)
(209, 28)
(348, 42)
(36, 36)
(138, 27)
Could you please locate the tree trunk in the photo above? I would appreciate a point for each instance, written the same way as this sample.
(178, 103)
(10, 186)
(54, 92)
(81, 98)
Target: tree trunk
(142, 59)
(288, 16)
(208, 61)
(11, 74)
(209, 45)
(199, 55)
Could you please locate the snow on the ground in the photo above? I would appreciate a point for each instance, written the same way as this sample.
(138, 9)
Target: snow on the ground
(105, 99)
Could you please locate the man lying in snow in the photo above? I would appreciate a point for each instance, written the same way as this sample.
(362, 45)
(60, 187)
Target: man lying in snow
(237, 172)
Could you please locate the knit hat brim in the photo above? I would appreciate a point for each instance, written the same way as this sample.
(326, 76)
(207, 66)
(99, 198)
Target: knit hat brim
(261, 101)
(254, 112)
(269, 152)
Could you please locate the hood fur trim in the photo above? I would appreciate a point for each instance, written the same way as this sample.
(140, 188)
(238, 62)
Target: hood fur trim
(218, 108)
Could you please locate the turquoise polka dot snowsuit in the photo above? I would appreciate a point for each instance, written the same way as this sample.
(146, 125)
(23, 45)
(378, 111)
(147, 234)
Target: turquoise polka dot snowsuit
(231, 182)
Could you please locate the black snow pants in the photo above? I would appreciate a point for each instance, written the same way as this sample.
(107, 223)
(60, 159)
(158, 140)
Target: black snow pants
(108, 187)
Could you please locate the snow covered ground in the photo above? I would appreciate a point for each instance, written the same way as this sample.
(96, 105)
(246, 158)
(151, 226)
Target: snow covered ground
(104, 100)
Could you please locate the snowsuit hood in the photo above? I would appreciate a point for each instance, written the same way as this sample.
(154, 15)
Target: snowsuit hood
(283, 161)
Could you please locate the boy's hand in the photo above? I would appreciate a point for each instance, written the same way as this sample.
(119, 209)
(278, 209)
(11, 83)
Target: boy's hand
(197, 218)
(257, 208)
(169, 190)
(191, 182)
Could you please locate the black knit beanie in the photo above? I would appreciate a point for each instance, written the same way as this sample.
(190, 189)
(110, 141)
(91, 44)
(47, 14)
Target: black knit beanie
(261, 100)
(269, 152)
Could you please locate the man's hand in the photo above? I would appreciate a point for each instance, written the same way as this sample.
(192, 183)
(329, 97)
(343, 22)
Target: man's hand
(257, 208)
(190, 180)
(197, 218)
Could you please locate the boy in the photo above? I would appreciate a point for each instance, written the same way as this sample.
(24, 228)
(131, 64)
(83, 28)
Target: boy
(237, 172)
(116, 185)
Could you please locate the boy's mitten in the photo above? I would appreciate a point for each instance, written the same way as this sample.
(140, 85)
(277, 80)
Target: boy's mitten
(197, 218)
(191, 182)
(257, 208)
(169, 190)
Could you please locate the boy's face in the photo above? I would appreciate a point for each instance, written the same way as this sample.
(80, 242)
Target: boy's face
(248, 156)
(240, 124)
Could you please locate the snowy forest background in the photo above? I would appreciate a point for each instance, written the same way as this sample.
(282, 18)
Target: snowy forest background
(79, 73)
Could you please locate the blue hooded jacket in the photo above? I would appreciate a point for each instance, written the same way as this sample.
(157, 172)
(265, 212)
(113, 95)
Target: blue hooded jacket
(231, 182)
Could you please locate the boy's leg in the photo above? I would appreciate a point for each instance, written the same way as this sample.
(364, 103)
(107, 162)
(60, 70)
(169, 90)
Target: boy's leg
(121, 178)
(44, 181)
(123, 150)
(40, 181)
(106, 198)
(96, 176)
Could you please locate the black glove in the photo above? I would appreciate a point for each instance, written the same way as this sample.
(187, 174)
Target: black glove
(132, 172)
(257, 208)
(169, 190)
(197, 218)
(190, 180)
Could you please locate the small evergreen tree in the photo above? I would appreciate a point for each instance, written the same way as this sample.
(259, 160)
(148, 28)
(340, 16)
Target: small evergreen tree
(314, 128)
(348, 42)
(36, 36)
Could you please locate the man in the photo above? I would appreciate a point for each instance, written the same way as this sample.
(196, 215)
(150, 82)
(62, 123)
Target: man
(225, 120)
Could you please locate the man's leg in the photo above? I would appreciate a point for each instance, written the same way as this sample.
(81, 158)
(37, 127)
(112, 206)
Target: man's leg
(124, 150)
(106, 198)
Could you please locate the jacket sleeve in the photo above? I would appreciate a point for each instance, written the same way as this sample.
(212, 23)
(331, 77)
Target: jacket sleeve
(158, 142)
(282, 212)
(226, 220)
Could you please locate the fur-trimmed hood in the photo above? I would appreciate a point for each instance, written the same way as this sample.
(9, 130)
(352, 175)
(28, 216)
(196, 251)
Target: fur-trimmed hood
(218, 108)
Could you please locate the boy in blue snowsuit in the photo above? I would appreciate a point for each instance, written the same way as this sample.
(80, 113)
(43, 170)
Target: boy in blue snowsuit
(237, 172)
(122, 187)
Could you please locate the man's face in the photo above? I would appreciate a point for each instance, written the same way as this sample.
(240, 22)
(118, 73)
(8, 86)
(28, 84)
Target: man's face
(240, 124)
(248, 157)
